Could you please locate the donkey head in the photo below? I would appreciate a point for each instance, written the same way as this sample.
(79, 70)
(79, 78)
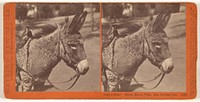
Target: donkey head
(157, 41)
(71, 44)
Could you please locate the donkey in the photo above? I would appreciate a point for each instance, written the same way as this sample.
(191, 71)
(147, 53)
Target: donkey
(39, 56)
(123, 56)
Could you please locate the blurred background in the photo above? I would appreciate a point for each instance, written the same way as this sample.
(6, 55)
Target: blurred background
(130, 10)
(39, 10)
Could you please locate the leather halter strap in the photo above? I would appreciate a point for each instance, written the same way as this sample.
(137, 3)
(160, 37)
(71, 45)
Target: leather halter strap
(162, 72)
(149, 50)
(71, 62)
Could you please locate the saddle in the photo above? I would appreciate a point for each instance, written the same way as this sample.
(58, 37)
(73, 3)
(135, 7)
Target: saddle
(24, 38)
(117, 31)
(35, 33)
(109, 38)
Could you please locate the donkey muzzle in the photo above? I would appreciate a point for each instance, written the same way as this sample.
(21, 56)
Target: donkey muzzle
(167, 65)
(83, 66)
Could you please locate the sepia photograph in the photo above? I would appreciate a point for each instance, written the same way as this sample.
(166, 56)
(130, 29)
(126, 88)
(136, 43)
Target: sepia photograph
(100, 50)
(143, 47)
(57, 47)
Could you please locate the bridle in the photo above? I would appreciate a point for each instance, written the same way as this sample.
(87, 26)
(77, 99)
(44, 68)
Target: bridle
(150, 51)
(71, 64)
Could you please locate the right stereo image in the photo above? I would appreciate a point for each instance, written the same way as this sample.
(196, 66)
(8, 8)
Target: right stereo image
(143, 47)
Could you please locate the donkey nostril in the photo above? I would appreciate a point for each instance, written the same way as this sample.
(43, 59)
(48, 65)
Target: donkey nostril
(167, 65)
(83, 66)
(170, 69)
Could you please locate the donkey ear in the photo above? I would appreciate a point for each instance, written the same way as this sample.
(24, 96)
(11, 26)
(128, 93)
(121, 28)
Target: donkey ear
(165, 19)
(66, 19)
(161, 21)
(74, 22)
(81, 20)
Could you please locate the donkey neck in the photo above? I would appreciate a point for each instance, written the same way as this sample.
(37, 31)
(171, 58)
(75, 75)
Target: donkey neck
(137, 35)
(42, 54)
(51, 38)
(50, 42)
(136, 41)
(129, 53)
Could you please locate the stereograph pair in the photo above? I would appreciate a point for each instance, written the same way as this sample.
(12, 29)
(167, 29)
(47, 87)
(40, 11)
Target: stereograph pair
(101, 48)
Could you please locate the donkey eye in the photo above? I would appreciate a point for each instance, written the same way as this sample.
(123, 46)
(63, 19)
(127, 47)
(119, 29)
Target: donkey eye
(156, 44)
(72, 46)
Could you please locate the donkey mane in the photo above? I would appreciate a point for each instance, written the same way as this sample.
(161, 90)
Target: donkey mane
(44, 30)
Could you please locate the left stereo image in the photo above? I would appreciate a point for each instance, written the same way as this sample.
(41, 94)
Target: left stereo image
(57, 47)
